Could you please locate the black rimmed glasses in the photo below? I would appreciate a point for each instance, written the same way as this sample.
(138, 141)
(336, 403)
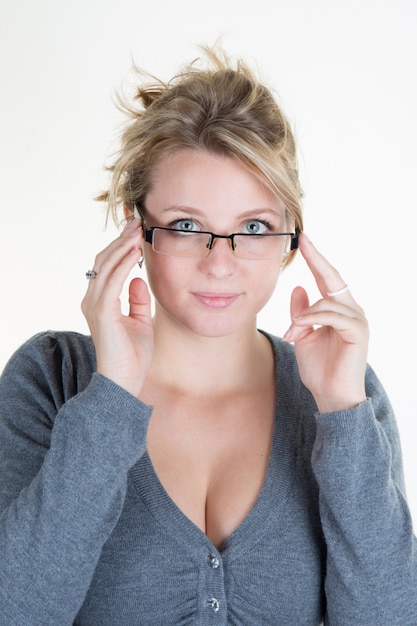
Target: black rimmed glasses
(198, 243)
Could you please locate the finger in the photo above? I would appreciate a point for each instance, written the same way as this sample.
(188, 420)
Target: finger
(339, 321)
(110, 258)
(120, 271)
(327, 277)
(349, 322)
(321, 313)
(330, 305)
(298, 304)
(132, 227)
(104, 296)
(139, 299)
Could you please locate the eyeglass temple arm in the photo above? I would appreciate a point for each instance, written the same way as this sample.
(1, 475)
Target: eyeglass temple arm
(148, 232)
(294, 239)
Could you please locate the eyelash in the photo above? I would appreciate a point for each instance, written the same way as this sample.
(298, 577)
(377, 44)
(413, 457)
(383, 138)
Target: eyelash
(175, 223)
(264, 222)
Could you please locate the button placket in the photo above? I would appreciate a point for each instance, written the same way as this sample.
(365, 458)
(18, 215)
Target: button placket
(213, 599)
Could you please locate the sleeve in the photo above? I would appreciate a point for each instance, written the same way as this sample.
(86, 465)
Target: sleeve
(64, 459)
(371, 551)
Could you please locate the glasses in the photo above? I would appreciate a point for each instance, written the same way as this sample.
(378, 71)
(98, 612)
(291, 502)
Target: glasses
(198, 243)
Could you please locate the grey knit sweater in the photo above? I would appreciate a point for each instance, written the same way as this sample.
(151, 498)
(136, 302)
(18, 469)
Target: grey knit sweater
(88, 536)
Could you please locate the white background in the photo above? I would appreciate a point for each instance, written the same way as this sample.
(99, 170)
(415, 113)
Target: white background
(346, 75)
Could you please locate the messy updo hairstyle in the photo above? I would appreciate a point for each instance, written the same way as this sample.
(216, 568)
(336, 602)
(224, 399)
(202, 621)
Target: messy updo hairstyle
(221, 108)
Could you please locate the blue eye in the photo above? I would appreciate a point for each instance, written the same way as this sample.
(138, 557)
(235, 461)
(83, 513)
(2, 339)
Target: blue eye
(256, 227)
(185, 225)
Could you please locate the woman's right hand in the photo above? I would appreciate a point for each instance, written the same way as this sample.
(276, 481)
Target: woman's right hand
(123, 343)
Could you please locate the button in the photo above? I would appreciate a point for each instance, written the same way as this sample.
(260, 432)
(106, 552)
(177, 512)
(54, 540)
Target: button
(213, 561)
(214, 604)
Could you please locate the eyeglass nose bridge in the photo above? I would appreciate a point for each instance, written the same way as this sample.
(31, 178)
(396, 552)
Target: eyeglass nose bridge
(213, 236)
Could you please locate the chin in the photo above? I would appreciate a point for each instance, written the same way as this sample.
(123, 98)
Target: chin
(216, 328)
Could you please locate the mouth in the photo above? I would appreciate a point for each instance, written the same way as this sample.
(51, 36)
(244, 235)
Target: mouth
(216, 300)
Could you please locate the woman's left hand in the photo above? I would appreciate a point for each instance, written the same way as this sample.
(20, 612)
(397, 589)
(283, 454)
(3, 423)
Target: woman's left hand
(330, 337)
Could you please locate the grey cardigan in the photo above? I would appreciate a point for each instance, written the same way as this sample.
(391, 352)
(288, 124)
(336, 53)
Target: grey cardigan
(88, 535)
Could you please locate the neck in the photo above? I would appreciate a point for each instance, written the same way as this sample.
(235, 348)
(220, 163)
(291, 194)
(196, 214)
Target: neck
(198, 365)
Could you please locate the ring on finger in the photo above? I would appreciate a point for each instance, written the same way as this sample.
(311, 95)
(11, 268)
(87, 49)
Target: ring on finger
(338, 292)
(90, 274)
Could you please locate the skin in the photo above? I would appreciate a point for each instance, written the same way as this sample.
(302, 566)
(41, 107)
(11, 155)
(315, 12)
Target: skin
(201, 362)
(330, 335)
(215, 194)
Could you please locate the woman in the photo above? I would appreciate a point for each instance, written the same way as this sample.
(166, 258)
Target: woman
(187, 468)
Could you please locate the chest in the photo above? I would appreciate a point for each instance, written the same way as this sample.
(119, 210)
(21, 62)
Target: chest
(212, 459)
(159, 566)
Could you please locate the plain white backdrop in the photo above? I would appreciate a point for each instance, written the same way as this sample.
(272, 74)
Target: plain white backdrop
(345, 72)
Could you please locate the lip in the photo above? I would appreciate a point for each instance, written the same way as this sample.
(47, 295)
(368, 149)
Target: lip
(216, 300)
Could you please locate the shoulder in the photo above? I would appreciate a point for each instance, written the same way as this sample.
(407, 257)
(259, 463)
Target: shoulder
(282, 349)
(59, 359)
(285, 360)
(287, 369)
(53, 345)
(290, 389)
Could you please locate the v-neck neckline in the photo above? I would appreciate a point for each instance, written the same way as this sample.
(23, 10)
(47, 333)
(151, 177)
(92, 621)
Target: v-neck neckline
(271, 499)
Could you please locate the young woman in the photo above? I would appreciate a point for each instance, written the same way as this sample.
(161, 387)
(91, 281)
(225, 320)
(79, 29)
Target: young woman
(188, 468)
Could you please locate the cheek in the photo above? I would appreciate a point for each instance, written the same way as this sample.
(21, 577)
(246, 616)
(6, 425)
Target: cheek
(263, 280)
(156, 273)
(270, 279)
(169, 276)
(164, 275)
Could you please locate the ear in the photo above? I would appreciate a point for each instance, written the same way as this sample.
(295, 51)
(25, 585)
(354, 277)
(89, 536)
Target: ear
(127, 212)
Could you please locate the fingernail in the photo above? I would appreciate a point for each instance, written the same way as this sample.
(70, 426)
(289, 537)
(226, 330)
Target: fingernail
(287, 336)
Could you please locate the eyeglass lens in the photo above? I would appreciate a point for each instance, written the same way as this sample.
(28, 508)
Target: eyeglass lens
(196, 244)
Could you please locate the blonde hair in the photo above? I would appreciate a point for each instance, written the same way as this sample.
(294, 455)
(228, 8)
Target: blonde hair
(223, 109)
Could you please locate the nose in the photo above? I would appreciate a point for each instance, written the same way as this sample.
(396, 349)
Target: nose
(229, 238)
(220, 261)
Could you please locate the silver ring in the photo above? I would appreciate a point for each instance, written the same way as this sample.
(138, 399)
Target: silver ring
(339, 292)
(90, 274)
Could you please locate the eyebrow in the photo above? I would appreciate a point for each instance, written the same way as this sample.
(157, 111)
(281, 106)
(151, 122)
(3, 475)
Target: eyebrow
(194, 211)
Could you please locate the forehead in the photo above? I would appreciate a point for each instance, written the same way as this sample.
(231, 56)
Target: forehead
(207, 181)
